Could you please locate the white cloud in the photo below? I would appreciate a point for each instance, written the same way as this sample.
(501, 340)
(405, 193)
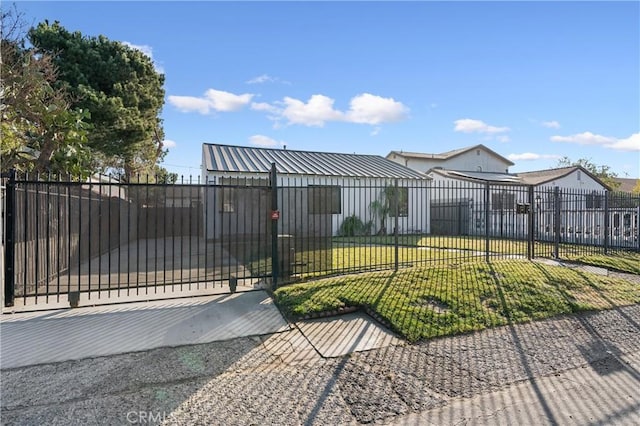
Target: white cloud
(226, 101)
(213, 100)
(190, 103)
(371, 109)
(168, 143)
(551, 124)
(319, 109)
(503, 139)
(315, 112)
(632, 143)
(375, 131)
(586, 138)
(530, 156)
(264, 106)
(265, 141)
(264, 78)
(468, 125)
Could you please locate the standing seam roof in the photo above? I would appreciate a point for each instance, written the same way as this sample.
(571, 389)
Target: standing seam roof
(227, 158)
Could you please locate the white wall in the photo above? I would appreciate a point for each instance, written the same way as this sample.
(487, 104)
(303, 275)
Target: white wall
(469, 161)
(357, 194)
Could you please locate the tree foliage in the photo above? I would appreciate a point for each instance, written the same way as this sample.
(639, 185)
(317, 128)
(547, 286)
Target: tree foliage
(390, 199)
(40, 130)
(603, 172)
(119, 86)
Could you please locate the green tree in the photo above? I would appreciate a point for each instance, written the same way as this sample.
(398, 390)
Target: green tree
(119, 86)
(40, 131)
(603, 172)
(385, 205)
(636, 189)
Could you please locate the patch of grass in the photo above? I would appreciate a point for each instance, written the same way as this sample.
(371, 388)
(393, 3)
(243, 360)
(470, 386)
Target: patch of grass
(496, 245)
(620, 261)
(476, 295)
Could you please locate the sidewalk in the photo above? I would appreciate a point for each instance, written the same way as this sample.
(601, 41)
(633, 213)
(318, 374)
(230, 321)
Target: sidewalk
(568, 370)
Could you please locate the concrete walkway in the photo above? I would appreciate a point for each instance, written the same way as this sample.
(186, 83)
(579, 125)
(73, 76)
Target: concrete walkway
(62, 335)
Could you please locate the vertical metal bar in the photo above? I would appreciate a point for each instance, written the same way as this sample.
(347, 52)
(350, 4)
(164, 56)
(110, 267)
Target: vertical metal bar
(9, 249)
(59, 239)
(607, 222)
(530, 219)
(109, 227)
(165, 190)
(100, 221)
(89, 239)
(36, 236)
(68, 233)
(556, 222)
(198, 231)
(48, 236)
(128, 254)
(274, 227)
(189, 226)
(487, 190)
(25, 224)
(146, 236)
(206, 225)
(396, 203)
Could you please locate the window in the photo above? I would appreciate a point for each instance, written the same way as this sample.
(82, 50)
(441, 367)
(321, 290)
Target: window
(479, 168)
(594, 200)
(477, 152)
(579, 175)
(324, 199)
(503, 201)
(403, 202)
(228, 200)
(231, 186)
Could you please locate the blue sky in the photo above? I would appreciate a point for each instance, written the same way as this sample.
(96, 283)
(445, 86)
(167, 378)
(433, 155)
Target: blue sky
(534, 81)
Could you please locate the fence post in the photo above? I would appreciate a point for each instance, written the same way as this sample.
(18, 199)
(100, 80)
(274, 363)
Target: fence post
(395, 230)
(607, 222)
(487, 222)
(556, 222)
(637, 222)
(9, 249)
(274, 227)
(531, 218)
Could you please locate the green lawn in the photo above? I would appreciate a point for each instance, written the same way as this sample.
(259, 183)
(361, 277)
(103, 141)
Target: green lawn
(436, 300)
(620, 261)
(496, 245)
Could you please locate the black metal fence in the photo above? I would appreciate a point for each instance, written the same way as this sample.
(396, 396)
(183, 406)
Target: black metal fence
(68, 240)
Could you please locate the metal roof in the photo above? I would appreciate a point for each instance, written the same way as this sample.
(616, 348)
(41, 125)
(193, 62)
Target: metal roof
(450, 154)
(479, 176)
(242, 159)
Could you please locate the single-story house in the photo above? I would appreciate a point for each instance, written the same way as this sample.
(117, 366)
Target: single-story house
(317, 192)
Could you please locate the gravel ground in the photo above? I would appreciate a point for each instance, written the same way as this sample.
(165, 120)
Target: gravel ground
(241, 382)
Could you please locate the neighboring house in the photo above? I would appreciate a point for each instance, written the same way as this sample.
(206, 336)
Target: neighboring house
(580, 196)
(317, 191)
(477, 158)
(627, 184)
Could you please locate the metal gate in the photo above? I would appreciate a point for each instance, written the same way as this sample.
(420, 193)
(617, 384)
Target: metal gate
(84, 242)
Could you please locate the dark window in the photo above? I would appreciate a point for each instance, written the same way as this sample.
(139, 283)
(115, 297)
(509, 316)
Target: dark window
(403, 202)
(594, 200)
(503, 201)
(324, 200)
